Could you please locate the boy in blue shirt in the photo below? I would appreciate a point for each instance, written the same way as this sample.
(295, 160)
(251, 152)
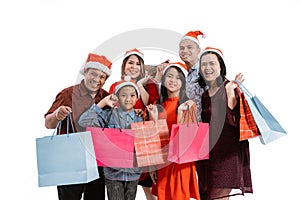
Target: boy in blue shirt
(121, 183)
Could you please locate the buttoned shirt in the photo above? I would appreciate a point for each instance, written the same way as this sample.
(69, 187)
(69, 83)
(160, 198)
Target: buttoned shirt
(193, 89)
(79, 99)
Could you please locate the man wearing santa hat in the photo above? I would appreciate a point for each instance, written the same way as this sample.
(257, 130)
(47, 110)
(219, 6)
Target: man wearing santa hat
(75, 100)
(189, 51)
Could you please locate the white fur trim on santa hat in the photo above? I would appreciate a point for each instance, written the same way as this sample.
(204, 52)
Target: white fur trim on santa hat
(126, 83)
(185, 72)
(97, 65)
(134, 53)
(213, 50)
(191, 38)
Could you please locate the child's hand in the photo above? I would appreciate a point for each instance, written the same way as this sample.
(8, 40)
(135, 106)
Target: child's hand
(186, 105)
(139, 112)
(152, 109)
(110, 100)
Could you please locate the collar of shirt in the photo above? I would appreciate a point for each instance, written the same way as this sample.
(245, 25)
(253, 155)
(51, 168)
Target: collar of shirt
(196, 66)
(83, 91)
(193, 74)
(123, 114)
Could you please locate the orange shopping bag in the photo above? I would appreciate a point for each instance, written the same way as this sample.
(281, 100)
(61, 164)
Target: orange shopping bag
(248, 127)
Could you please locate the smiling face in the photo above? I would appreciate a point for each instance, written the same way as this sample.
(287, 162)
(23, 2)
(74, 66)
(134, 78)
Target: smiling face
(133, 67)
(210, 67)
(94, 79)
(188, 52)
(127, 96)
(172, 82)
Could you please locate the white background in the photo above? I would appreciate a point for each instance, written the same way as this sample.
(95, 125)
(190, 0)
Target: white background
(43, 44)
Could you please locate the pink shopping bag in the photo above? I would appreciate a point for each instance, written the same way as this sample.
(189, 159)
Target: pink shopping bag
(113, 147)
(189, 140)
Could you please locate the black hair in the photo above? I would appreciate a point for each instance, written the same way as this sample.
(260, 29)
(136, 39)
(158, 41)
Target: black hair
(141, 60)
(164, 91)
(222, 76)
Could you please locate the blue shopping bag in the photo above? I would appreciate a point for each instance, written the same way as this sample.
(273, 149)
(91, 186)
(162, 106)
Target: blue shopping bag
(66, 159)
(269, 127)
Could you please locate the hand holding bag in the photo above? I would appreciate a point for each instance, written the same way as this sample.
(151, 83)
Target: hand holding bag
(189, 141)
(268, 126)
(66, 159)
(114, 147)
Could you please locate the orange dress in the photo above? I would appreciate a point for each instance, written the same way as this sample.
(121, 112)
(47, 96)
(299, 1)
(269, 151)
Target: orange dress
(175, 181)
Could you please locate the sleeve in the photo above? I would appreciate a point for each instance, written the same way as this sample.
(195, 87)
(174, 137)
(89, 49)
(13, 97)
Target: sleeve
(152, 90)
(233, 115)
(94, 116)
(59, 101)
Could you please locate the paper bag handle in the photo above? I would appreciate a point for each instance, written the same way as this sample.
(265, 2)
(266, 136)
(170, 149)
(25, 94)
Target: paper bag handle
(244, 89)
(59, 124)
(109, 117)
(191, 115)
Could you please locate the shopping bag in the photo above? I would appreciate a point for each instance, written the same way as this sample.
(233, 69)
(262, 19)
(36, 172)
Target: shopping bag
(189, 141)
(268, 126)
(151, 142)
(66, 159)
(113, 147)
(248, 127)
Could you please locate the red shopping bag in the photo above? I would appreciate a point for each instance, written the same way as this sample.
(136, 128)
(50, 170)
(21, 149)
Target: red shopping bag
(189, 141)
(248, 127)
(151, 140)
(113, 147)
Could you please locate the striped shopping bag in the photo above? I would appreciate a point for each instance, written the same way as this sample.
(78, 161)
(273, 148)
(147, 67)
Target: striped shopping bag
(248, 127)
(151, 142)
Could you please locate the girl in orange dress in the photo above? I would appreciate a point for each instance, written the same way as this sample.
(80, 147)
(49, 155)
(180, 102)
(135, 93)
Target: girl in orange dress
(173, 181)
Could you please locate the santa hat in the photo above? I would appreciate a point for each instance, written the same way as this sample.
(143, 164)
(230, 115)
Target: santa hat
(192, 35)
(126, 82)
(218, 51)
(134, 52)
(180, 65)
(99, 62)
